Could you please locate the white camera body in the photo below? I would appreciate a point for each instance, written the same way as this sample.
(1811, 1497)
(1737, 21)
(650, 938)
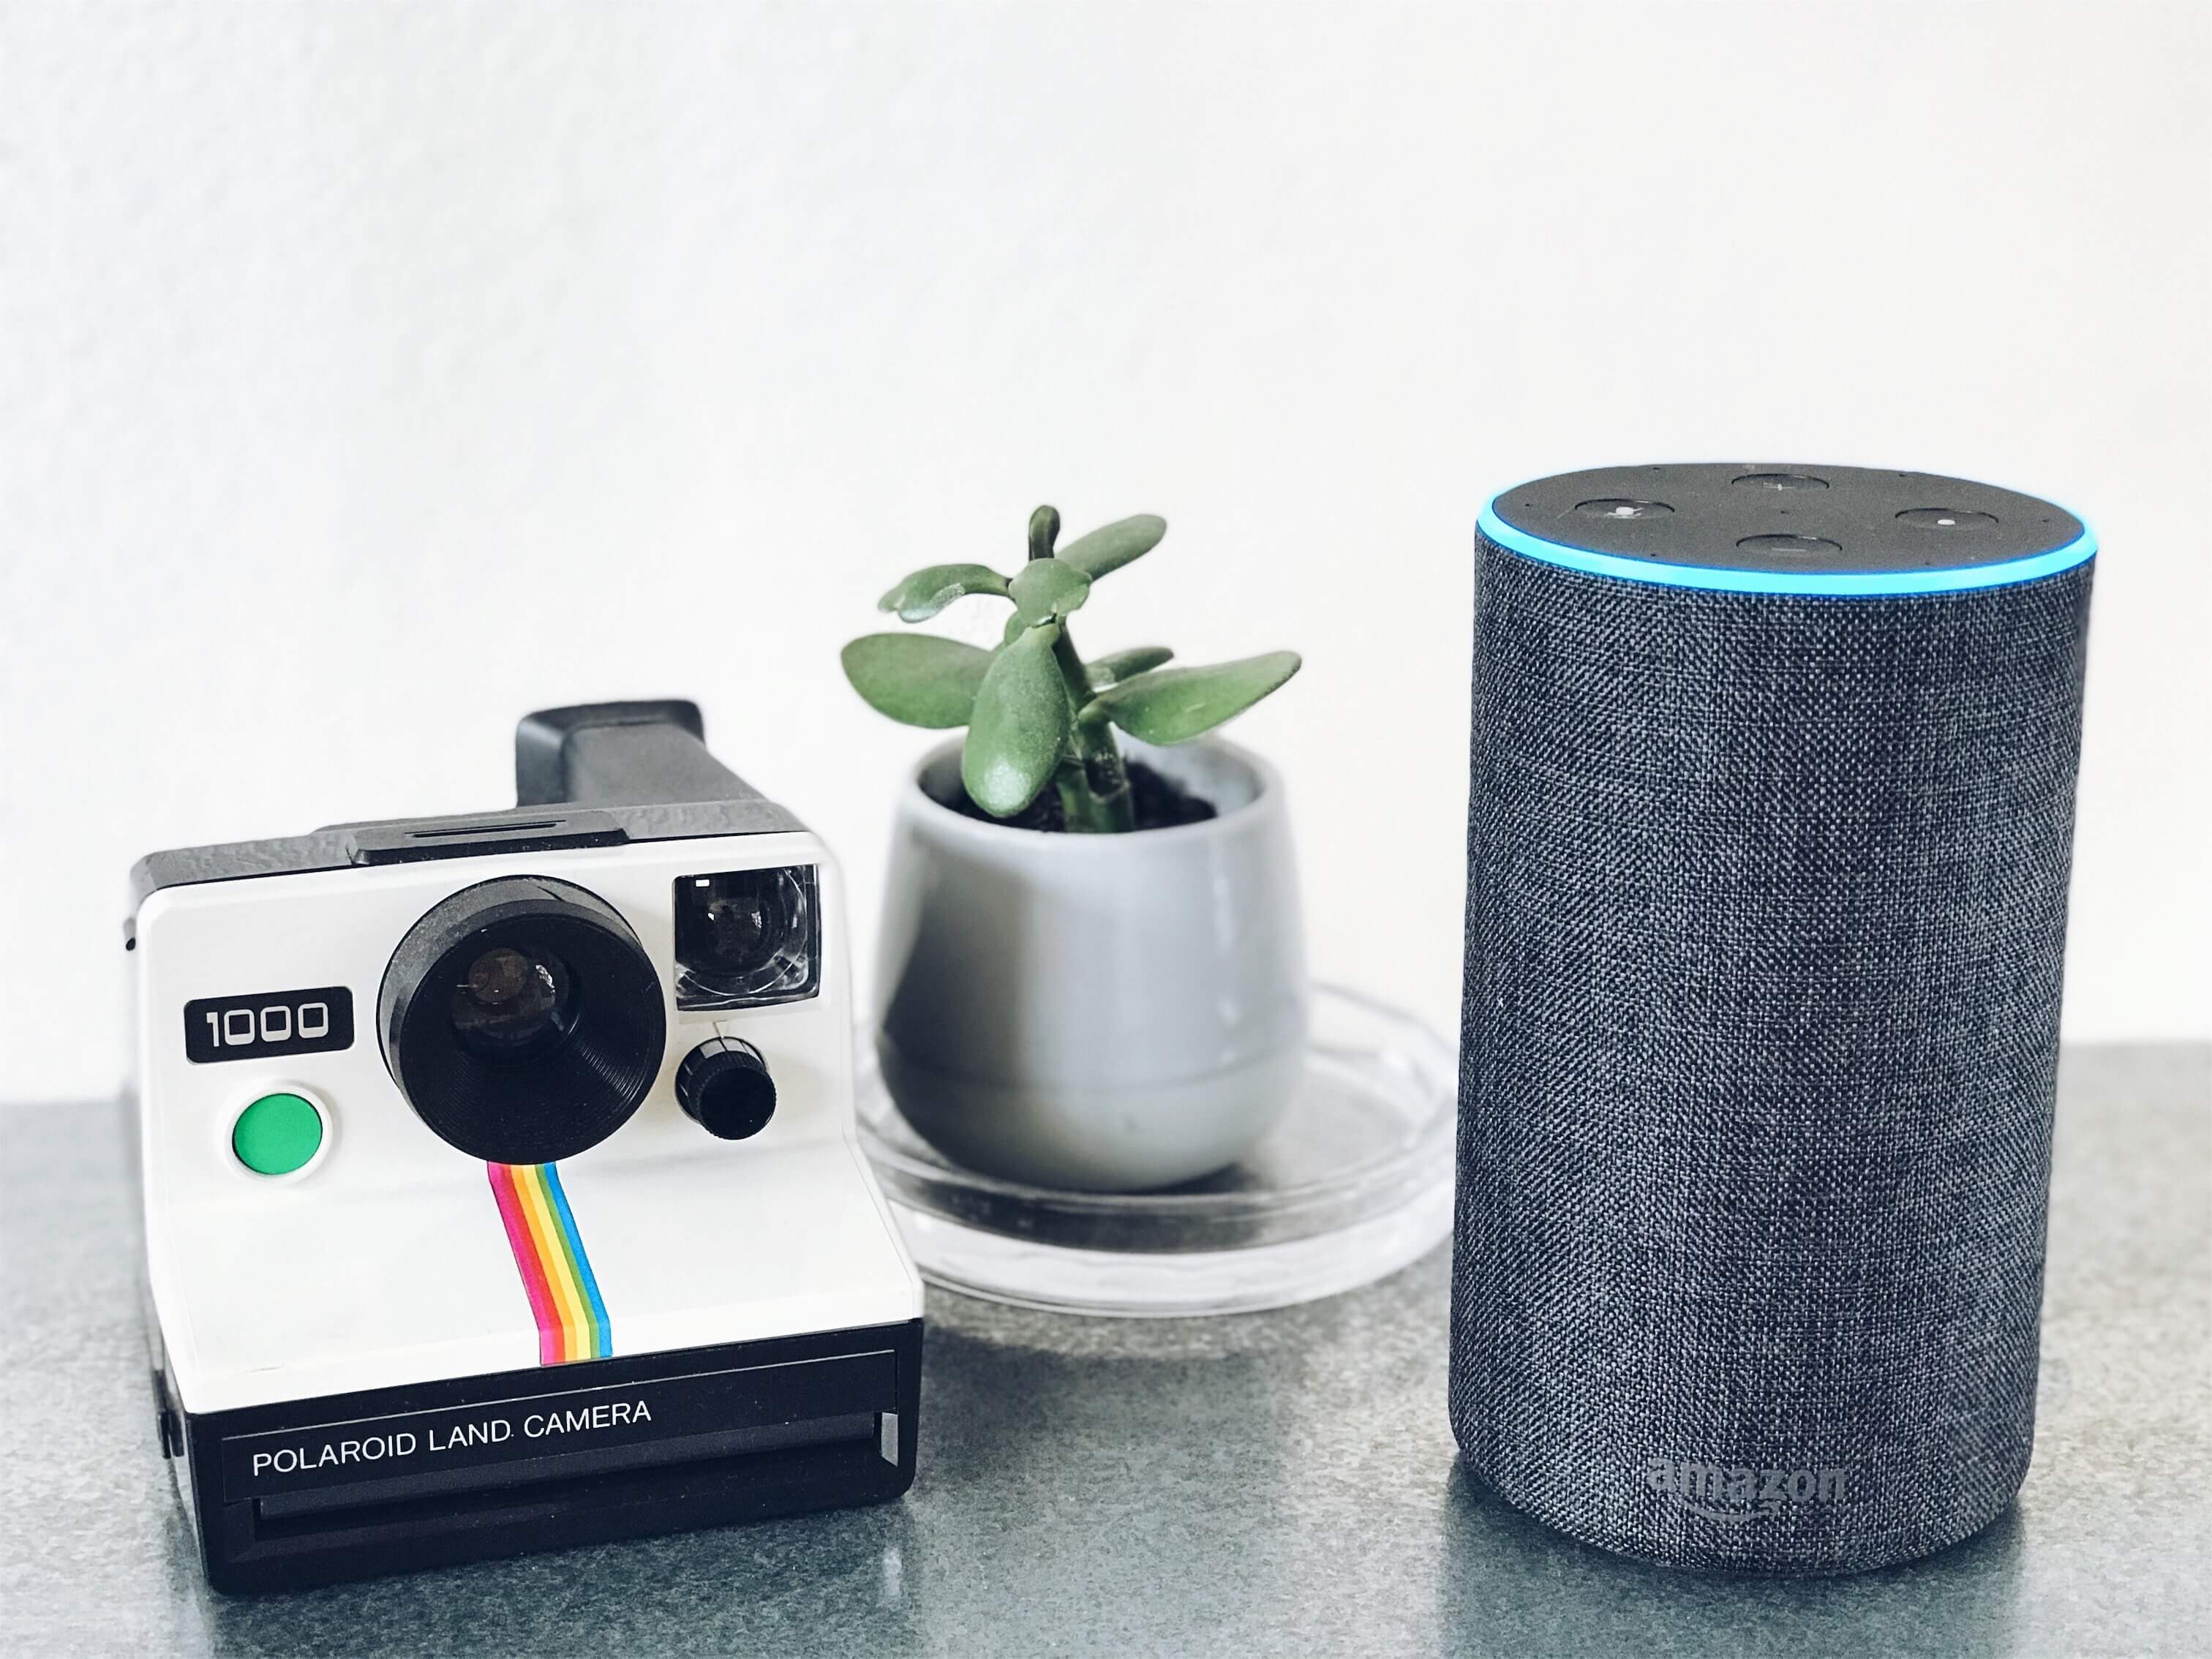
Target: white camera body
(388, 1332)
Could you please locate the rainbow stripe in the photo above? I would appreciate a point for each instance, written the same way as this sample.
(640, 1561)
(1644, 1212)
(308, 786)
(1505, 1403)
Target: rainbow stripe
(556, 1274)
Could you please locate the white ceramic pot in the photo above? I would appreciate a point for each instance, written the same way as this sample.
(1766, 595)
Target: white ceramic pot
(1104, 1012)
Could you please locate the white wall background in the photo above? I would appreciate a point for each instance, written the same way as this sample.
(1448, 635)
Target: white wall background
(369, 375)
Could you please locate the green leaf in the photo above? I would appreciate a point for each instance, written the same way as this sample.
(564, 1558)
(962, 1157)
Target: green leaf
(1044, 530)
(1114, 546)
(1019, 725)
(1174, 705)
(916, 678)
(1045, 589)
(1016, 625)
(927, 592)
(1118, 665)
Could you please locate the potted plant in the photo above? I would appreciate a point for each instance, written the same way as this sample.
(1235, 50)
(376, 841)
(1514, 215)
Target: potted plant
(1091, 967)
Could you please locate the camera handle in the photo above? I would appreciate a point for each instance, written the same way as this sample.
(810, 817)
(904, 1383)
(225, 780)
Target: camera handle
(620, 754)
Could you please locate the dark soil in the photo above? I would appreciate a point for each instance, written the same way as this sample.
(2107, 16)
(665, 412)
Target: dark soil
(1161, 804)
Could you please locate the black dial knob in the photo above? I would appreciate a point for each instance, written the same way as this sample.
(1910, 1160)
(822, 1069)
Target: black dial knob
(724, 1084)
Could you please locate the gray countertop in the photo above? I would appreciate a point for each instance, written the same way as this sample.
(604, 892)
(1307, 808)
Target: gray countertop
(1273, 1482)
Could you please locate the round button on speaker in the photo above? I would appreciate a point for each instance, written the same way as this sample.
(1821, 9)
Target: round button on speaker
(1622, 506)
(724, 1086)
(1947, 517)
(1789, 544)
(1783, 481)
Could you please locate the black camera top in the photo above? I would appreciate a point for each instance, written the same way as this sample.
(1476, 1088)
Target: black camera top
(594, 775)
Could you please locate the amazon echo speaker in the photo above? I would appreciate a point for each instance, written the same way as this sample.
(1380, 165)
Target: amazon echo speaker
(1770, 813)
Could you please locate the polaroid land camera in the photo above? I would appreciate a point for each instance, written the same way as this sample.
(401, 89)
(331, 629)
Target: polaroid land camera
(502, 1189)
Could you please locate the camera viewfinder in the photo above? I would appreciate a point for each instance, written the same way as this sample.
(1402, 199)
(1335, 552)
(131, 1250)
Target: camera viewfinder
(748, 939)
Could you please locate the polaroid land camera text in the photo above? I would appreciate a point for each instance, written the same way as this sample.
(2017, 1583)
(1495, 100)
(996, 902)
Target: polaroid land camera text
(502, 1186)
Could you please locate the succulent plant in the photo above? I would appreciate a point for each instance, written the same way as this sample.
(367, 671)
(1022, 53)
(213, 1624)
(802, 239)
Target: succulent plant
(1037, 715)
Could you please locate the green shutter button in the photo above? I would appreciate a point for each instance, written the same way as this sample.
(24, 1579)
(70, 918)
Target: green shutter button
(277, 1134)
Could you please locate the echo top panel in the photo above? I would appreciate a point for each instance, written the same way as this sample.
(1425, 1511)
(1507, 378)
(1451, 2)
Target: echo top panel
(1768, 526)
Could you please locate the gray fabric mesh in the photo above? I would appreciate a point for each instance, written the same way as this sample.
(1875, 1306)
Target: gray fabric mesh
(1765, 922)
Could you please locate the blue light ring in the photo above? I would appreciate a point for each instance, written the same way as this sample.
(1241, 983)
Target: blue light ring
(1834, 584)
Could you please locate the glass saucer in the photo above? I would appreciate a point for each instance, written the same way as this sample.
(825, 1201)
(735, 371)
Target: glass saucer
(1353, 1183)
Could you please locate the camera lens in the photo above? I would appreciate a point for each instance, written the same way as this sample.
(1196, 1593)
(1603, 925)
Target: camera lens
(736, 928)
(511, 1004)
(522, 1019)
(747, 937)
